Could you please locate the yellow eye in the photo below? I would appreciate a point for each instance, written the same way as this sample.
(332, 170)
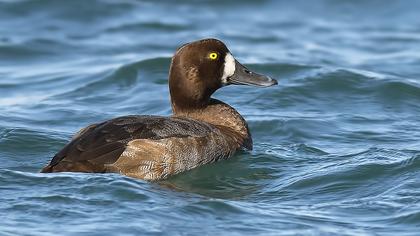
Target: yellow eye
(213, 56)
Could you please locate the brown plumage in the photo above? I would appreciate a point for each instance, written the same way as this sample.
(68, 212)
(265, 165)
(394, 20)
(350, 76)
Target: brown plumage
(201, 130)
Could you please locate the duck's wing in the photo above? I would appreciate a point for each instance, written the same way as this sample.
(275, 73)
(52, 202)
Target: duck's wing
(98, 147)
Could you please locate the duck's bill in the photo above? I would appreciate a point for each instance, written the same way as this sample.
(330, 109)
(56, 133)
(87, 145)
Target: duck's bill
(243, 76)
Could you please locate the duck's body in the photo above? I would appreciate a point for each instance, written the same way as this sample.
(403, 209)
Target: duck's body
(155, 147)
(201, 130)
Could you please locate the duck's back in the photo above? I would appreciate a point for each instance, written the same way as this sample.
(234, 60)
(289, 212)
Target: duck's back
(147, 147)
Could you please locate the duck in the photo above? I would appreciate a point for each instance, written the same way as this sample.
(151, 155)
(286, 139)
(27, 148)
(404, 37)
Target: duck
(201, 129)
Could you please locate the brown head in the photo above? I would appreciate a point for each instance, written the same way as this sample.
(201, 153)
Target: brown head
(201, 67)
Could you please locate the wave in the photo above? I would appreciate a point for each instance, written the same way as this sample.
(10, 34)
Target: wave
(312, 88)
(331, 173)
(142, 26)
(124, 78)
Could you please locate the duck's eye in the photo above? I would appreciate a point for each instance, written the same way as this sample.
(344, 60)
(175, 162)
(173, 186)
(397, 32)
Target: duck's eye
(213, 56)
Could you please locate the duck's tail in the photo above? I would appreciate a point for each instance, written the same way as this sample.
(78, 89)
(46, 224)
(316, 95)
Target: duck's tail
(47, 169)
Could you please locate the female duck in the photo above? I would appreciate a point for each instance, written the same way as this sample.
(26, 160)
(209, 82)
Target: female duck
(201, 129)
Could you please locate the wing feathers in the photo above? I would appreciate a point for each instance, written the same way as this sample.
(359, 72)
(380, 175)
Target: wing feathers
(103, 144)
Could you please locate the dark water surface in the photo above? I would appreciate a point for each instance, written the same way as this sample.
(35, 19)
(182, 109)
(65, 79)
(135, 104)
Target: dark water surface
(337, 143)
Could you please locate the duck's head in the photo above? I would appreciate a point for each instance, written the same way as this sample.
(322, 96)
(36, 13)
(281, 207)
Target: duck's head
(201, 67)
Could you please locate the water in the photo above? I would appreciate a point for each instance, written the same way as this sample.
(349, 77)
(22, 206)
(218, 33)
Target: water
(337, 143)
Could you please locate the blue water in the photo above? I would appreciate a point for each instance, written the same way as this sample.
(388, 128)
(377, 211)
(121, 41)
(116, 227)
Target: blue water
(336, 143)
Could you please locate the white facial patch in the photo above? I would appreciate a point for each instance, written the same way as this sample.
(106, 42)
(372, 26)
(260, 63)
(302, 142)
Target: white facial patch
(229, 69)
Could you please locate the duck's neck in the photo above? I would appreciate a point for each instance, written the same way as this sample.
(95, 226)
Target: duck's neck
(221, 115)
